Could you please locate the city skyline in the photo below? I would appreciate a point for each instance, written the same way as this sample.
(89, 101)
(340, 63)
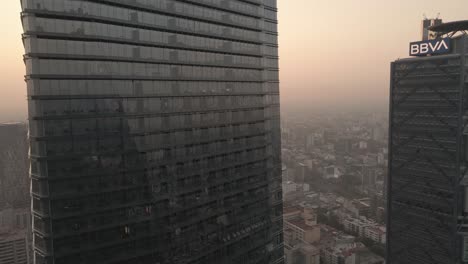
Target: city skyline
(318, 41)
(234, 132)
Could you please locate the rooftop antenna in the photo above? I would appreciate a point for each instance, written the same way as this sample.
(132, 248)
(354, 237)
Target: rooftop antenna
(427, 23)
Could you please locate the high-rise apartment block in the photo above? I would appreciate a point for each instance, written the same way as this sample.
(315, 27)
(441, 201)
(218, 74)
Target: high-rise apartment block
(154, 131)
(427, 213)
(14, 247)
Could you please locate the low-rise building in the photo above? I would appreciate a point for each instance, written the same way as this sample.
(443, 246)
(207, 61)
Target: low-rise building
(289, 187)
(366, 228)
(13, 219)
(302, 231)
(291, 212)
(332, 172)
(380, 214)
(377, 234)
(364, 256)
(301, 172)
(310, 254)
(341, 253)
(358, 225)
(358, 207)
(301, 253)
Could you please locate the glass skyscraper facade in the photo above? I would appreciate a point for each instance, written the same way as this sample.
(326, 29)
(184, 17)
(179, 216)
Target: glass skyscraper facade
(428, 185)
(154, 131)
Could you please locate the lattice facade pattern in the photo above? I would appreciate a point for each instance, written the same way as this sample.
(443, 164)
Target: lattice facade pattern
(426, 193)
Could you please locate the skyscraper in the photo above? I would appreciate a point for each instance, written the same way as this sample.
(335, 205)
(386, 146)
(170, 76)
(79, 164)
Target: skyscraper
(14, 166)
(154, 129)
(427, 186)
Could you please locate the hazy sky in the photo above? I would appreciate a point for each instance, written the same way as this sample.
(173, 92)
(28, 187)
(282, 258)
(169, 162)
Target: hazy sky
(332, 52)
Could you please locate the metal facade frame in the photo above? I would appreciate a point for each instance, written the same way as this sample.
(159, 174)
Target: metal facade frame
(427, 160)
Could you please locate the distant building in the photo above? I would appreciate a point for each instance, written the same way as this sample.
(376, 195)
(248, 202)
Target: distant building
(311, 254)
(304, 225)
(15, 209)
(382, 159)
(380, 214)
(359, 207)
(14, 167)
(15, 219)
(309, 164)
(344, 145)
(368, 175)
(301, 253)
(154, 131)
(377, 234)
(330, 135)
(341, 253)
(358, 225)
(378, 133)
(310, 142)
(291, 212)
(302, 231)
(289, 187)
(14, 248)
(312, 197)
(370, 160)
(364, 256)
(332, 172)
(362, 145)
(301, 173)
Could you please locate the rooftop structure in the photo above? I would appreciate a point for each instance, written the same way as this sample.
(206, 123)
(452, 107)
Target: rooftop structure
(450, 29)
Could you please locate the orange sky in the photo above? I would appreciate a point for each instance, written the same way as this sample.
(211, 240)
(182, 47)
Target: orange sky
(332, 52)
(337, 52)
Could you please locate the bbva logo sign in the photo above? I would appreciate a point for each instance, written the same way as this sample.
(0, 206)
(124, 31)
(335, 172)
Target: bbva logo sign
(430, 47)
